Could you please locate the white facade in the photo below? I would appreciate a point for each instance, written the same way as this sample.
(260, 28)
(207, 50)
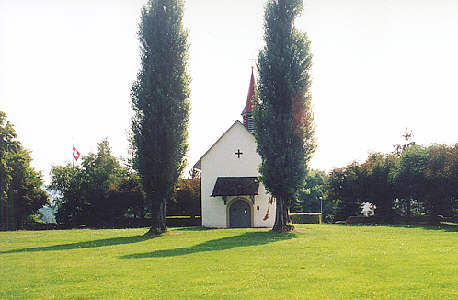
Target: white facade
(221, 160)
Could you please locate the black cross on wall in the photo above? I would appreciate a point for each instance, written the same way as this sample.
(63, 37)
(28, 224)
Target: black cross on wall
(238, 153)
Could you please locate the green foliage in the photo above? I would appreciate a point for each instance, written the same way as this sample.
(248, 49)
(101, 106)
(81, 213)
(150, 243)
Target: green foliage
(306, 218)
(66, 182)
(126, 197)
(453, 173)
(24, 191)
(100, 172)
(344, 188)
(439, 196)
(183, 221)
(409, 178)
(186, 198)
(99, 192)
(420, 180)
(377, 186)
(313, 194)
(314, 188)
(102, 193)
(7, 135)
(160, 104)
(20, 185)
(283, 115)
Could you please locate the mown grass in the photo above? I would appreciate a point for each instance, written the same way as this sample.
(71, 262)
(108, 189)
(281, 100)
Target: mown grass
(315, 262)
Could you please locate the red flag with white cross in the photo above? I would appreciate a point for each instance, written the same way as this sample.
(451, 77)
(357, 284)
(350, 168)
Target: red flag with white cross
(76, 153)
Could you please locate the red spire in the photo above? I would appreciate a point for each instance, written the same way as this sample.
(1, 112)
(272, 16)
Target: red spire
(251, 94)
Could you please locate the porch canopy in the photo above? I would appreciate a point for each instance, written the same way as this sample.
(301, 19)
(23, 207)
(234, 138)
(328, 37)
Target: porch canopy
(236, 186)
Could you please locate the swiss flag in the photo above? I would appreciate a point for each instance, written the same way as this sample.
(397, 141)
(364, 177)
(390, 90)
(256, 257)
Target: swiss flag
(76, 154)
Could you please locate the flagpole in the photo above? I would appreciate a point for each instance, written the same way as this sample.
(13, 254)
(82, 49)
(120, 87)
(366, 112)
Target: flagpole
(73, 151)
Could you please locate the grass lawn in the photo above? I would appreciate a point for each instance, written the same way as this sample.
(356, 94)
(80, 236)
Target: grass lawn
(315, 262)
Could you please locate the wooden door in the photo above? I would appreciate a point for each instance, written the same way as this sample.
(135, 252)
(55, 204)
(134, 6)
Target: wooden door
(240, 214)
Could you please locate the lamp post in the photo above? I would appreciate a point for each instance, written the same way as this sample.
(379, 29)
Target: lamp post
(321, 210)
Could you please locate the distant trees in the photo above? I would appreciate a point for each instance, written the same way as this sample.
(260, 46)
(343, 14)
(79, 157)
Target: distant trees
(186, 198)
(377, 185)
(25, 194)
(312, 191)
(415, 181)
(101, 192)
(101, 172)
(283, 116)
(313, 194)
(409, 178)
(344, 189)
(440, 195)
(7, 135)
(66, 182)
(127, 198)
(20, 185)
(160, 104)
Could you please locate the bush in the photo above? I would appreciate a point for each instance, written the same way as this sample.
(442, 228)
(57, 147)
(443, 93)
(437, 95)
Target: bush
(306, 218)
(183, 221)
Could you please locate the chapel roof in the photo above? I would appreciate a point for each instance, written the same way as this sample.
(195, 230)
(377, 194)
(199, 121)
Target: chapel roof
(251, 94)
(235, 186)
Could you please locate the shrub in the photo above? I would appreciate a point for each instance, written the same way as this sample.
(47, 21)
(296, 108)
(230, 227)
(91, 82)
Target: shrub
(306, 218)
(183, 221)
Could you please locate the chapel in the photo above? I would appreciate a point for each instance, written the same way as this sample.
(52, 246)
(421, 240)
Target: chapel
(231, 193)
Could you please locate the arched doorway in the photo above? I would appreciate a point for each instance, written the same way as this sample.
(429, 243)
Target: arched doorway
(239, 214)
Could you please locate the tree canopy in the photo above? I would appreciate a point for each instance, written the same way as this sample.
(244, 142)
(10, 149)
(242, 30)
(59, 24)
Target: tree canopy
(418, 180)
(283, 115)
(99, 192)
(160, 104)
(20, 185)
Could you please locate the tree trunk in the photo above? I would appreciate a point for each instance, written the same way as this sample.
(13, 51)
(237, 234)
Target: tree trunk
(282, 219)
(11, 214)
(3, 219)
(158, 221)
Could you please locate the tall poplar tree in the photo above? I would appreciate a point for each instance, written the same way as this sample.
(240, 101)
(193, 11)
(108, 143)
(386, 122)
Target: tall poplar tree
(283, 114)
(160, 104)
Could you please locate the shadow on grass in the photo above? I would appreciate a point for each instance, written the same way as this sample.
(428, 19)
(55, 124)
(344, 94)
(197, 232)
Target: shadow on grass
(247, 239)
(87, 244)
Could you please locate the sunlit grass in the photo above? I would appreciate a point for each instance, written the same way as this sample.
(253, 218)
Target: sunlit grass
(315, 262)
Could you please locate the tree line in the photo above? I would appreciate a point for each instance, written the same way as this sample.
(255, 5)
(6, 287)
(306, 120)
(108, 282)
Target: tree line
(101, 191)
(105, 192)
(21, 193)
(420, 180)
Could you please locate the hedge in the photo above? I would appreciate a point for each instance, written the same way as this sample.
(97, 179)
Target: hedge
(172, 221)
(306, 218)
(183, 221)
(401, 220)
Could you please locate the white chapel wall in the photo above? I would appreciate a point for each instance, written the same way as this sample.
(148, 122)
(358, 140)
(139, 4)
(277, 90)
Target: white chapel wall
(221, 161)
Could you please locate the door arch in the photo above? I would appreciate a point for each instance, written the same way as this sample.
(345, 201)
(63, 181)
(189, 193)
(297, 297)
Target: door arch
(240, 213)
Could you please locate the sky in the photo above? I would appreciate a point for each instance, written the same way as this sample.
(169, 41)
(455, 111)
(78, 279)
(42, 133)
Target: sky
(379, 67)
